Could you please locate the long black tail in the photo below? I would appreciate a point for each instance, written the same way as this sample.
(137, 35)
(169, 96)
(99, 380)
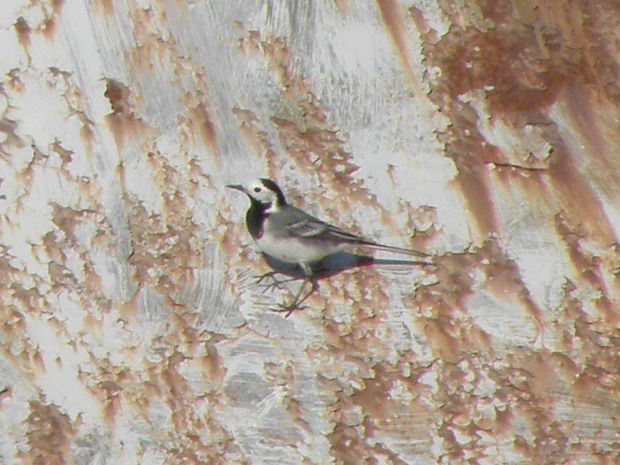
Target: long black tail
(390, 248)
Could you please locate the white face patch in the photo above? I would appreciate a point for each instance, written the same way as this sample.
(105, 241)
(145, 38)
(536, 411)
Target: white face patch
(264, 195)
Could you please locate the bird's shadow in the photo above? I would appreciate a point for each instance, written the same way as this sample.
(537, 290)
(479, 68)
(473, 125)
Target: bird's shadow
(326, 267)
(333, 264)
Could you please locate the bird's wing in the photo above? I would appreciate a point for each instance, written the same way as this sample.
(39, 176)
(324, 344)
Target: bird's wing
(307, 226)
(317, 229)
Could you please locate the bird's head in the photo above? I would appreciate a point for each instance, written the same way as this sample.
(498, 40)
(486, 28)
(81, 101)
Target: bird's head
(264, 192)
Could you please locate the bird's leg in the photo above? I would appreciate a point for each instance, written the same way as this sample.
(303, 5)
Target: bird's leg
(260, 278)
(298, 300)
(275, 283)
(313, 289)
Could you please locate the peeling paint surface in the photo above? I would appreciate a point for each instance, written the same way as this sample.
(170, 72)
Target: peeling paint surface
(132, 328)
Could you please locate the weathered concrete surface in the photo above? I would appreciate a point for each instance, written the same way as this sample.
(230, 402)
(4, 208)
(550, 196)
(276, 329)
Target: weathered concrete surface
(484, 132)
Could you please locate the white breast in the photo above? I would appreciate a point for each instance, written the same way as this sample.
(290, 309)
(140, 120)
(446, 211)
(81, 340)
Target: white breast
(295, 250)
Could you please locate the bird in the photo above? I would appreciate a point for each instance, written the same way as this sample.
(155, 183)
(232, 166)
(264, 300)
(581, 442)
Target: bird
(289, 234)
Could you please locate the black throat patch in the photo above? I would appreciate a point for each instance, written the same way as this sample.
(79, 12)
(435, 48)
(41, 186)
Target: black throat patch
(255, 218)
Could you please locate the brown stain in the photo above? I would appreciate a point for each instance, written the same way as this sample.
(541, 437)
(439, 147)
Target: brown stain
(109, 395)
(504, 281)
(200, 122)
(346, 446)
(473, 181)
(593, 23)
(14, 82)
(164, 246)
(176, 390)
(257, 138)
(520, 70)
(66, 219)
(66, 155)
(295, 410)
(117, 94)
(595, 118)
(129, 309)
(441, 335)
(48, 435)
(343, 7)
(594, 359)
(8, 128)
(589, 267)
(88, 136)
(574, 191)
(23, 30)
(426, 33)
(420, 225)
(394, 22)
(380, 412)
(105, 6)
(528, 52)
(549, 436)
(57, 6)
(48, 27)
(122, 121)
(469, 151)
(214, 364)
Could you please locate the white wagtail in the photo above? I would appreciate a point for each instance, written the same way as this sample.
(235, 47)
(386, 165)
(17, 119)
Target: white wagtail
(293, 236)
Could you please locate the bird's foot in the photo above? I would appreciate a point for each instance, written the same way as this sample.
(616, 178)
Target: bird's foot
(288, 308)
(298, 300)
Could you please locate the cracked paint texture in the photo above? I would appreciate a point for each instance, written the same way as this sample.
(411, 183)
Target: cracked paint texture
(484, 132)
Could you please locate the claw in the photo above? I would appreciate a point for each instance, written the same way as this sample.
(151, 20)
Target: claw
(297, 301)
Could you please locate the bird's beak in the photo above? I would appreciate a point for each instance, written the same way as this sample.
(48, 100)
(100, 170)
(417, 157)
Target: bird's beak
(237, 187)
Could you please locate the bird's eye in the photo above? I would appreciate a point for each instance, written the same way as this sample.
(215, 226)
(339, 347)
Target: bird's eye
(257, 189)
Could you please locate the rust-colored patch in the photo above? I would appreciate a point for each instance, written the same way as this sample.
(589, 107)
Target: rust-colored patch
(122, 121)
(48, 27)
(200, 123)
(108, 393)
(65, 155)
(504, 280)
(426, 33)
(256, 137)
(105, 6)
(57, 6)
(118, 95)
(574, 190)
(595, 119)
(22, 28)
(355, 440)
(49, 433)
(394, 22)
(129, 309)
(343, 6)
(472, 179)
(164, 245)
(520, 67)
(441, 335)
(213, 363)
